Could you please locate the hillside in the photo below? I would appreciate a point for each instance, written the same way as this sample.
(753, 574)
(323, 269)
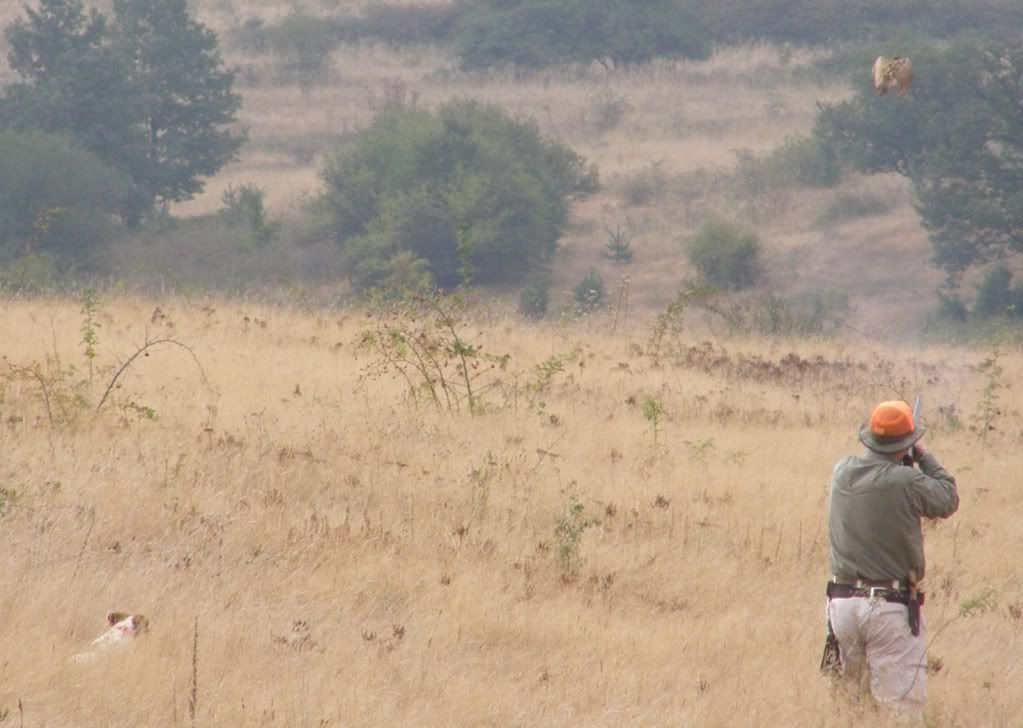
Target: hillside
(688, 118)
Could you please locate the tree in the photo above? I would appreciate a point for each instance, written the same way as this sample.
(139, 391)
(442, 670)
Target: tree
(469, 190)
(537, 33)
(958, 138)
(55, 198)
(148, 93)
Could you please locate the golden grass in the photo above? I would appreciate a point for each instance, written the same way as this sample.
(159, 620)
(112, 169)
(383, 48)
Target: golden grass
(355, 560)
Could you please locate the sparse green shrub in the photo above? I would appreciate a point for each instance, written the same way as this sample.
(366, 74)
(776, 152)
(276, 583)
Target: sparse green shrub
(535, 297)
(427, 340)
(590, 293)
(852, 206)
(477, 194)
(726, 254)
(568, 532)
(653, 412)
(648, 185)
(989, 407)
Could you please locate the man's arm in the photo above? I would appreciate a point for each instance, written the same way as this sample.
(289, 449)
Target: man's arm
(933, 489)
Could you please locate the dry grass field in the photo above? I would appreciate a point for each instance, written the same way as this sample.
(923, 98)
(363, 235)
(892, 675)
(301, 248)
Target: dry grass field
(352, 558)
(618, 534)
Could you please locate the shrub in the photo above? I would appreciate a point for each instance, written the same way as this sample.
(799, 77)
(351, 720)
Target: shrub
(851, 206)
(535, 297)
(997, 297)
(798, 162)
(244, 206)
(619, 246)
(55, 198)
(646, 186)
(726, 254)
(477, 194)
(590, 293)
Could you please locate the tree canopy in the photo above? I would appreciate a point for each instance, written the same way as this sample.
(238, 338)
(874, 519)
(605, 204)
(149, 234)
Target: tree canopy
(466, 192)
(146, 92)
(958, 137)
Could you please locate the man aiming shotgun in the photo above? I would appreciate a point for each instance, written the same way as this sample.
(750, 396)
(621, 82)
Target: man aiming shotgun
(877, 557)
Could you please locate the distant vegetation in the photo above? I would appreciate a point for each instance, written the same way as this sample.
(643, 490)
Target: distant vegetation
(615, 33)
(145, 91)
(464, 194)
(958, 139)
(57, 201)
(114, 115)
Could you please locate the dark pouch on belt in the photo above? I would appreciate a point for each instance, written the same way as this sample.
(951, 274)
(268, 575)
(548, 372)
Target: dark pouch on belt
(913, 605)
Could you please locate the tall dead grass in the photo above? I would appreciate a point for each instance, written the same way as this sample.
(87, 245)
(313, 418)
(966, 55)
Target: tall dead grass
(355, 559)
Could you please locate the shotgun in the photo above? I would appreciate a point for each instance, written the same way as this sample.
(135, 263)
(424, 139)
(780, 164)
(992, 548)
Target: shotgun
(918, 404)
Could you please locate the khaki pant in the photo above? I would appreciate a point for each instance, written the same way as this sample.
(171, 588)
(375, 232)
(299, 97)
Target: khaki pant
(874, 637)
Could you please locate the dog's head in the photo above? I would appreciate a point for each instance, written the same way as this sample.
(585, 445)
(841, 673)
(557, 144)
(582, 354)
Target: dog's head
(133, 623)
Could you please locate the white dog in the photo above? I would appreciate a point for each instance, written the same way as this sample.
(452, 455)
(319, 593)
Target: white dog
(123, 628)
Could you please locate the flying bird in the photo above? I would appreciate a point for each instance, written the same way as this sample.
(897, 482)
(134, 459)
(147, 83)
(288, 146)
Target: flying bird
(892, 73)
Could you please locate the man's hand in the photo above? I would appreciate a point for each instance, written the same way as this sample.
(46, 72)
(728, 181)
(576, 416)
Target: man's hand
(918, 450)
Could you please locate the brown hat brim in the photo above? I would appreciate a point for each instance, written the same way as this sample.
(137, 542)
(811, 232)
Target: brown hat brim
(889, 445)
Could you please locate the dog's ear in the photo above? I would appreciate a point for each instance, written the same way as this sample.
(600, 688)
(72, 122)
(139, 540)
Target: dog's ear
(115, 617)
(140, 623)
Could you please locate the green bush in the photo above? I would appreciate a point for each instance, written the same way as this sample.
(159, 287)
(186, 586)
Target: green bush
(798, 162)
(539, 33)
(535, 297)
(726, 255)
(477, 194)
(55, 198)
(997, 297)
(590, 293)
(244, 206)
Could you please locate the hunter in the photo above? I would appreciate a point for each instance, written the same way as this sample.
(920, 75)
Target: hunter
(877, 558)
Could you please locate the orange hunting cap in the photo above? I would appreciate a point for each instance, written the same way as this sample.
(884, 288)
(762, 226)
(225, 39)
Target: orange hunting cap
(891, 428)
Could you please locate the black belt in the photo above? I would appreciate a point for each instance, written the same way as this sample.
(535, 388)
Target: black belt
(872, 590)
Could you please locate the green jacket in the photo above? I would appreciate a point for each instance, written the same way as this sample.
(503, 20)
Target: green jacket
(874, 514)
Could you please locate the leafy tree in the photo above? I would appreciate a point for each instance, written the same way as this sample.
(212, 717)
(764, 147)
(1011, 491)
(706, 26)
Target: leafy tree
(187, 98)
(958, 138)
(537, 33)
(55, 198)
(147, 93)
(470, 190)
